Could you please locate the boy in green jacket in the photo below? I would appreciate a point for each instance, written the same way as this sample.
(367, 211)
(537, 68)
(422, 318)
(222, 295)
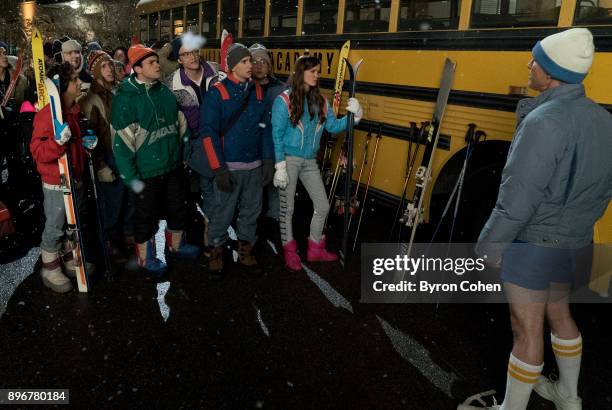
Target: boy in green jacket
(149, 133)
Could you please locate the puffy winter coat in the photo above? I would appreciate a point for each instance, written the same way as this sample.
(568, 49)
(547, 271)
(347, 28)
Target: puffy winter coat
(189, 95)
(249, 140)
(302, 140)
(46, 151)
(96, 106)
(557, 181)
(149, 130)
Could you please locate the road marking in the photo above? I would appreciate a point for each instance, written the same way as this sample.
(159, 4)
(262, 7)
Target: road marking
(330, 293)
(162, 289)
(418, 356)
(263, 326)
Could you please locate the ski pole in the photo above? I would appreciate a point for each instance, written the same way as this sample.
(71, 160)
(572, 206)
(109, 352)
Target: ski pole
(353, 202)
(406, 178)
(108, 274)
(365, 195)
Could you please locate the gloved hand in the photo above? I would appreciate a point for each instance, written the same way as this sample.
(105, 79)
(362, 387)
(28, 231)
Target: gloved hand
(354, 107)
(62, 132)
(137, 186)
(106, 175)
(281, 178)
(90, 140)
(267, 173)
(224, 180)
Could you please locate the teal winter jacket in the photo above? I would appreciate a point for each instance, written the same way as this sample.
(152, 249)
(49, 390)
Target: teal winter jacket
(302, 140)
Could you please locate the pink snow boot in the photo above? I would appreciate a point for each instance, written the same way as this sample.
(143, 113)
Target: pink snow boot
(318, 253)
(292, 259)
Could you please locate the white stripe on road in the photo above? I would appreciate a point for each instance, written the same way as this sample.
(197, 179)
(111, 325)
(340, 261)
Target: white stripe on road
(330, 293)
(162, 289)
(415, 354)
(263, 326)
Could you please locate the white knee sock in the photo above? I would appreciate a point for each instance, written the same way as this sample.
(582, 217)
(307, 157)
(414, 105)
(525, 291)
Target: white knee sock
(569, 355)
(519, 384)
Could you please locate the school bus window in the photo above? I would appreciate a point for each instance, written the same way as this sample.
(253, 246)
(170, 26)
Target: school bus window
(209, 18)
(153, 27)
(283, 17)
(428, 14)
(178, 24)
(253, 23)
(320, 17)
(367, 16)
(230, 15)
(515, 13)
(164, 23)
(144, 28)
(593, 12)
(192, 18)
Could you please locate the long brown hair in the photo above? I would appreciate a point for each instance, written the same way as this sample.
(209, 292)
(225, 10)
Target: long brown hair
(316, 102)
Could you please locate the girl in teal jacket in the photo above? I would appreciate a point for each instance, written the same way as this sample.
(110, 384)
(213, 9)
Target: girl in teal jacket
(299, 116)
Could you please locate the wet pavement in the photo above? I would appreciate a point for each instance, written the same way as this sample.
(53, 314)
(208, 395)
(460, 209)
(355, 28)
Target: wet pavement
(280, 340)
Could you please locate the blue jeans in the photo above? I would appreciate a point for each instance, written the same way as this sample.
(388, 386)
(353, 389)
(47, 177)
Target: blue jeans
(246, 198)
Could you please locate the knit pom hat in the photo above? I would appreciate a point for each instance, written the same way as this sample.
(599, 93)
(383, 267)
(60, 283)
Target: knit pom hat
(566, 56)
(94, 62)
(4, 46)
(138, 52)
(235, 53)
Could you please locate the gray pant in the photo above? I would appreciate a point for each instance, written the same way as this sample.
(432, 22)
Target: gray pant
(246, 197)
(55, 218)
(308, 172)
(208, 193)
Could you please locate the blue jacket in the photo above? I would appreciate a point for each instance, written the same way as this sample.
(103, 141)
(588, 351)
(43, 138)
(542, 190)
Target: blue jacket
(247, 143)
(557, 181)
(302, 140)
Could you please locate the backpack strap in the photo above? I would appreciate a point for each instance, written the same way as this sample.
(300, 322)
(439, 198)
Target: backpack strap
(259, 92)
(285, 96)
(222, 90)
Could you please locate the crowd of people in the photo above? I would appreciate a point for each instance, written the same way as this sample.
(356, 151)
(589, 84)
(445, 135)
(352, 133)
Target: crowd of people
(154, 131)
(152, 134)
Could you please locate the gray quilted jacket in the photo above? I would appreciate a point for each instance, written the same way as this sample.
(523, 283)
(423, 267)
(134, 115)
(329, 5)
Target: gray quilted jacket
(557, 180)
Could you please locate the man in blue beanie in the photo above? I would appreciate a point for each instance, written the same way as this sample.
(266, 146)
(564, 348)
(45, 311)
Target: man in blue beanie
(556, 184)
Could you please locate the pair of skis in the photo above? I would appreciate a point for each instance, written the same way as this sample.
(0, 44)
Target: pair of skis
(414, 212)
(350, 125)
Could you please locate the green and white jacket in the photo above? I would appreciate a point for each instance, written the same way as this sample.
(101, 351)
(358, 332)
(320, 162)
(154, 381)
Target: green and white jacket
(149, 130)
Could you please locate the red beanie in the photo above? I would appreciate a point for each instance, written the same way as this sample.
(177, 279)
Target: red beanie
(138, 53)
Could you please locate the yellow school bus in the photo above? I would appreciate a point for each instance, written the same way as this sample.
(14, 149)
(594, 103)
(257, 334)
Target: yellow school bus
(404, 44)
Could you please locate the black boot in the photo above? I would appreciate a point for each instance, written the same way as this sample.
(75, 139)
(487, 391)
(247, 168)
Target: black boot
(246, 258)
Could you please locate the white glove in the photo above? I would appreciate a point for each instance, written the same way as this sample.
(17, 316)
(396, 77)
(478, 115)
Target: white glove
(106, 175)
(137, 186)
(281, 178)
(354, 107)
(62, 132)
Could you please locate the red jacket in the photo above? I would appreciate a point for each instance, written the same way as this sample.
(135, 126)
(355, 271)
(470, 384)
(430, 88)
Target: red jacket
(46, 151)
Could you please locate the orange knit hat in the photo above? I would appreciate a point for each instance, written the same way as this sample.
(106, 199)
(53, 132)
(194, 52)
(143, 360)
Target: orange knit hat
(138, 53)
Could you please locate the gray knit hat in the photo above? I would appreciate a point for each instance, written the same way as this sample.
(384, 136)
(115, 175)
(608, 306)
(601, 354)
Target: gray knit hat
(235, 53)
(260, 51)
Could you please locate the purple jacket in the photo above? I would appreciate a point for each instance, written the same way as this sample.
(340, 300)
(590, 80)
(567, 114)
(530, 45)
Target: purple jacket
(189, 95)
